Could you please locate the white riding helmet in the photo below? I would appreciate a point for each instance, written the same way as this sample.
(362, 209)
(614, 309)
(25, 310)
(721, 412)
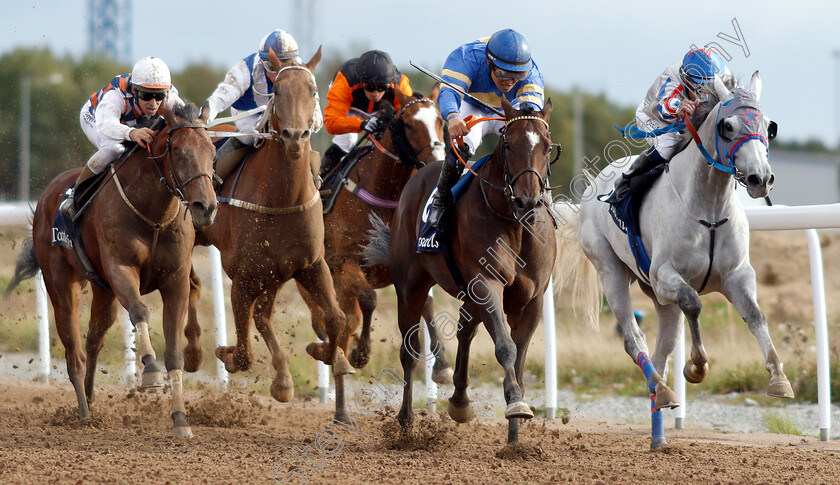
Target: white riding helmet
(151, 74)
(284, 45)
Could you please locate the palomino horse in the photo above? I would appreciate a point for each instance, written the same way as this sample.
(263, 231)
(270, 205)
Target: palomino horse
(698, 241)
(501, 242)
(139, 239)
(412, 140)
(270, 229)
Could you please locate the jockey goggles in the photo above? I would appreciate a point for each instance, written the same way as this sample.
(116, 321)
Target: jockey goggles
(376, 88)
(148, 96)
(505, 75)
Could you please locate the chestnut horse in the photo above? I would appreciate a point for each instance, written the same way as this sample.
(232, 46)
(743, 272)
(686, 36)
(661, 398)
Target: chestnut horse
(139, 239)
(412, 139)
(502, 242)
(270, 230)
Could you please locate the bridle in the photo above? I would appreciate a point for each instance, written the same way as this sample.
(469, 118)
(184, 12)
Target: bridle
(406, 153)
(269, 129)
(176, 188)
(509, 181)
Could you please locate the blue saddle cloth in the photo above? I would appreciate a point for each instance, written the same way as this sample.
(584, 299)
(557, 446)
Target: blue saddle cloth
(427, 240)
(625, 214)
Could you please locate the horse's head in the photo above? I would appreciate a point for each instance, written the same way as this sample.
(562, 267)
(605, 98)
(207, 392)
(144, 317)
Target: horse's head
(417, 130)
(188, 161)
(742, 133)
(526, 151)
(293, 103)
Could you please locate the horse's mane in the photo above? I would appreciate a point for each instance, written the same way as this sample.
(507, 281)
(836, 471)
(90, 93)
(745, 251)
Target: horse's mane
(188, 111)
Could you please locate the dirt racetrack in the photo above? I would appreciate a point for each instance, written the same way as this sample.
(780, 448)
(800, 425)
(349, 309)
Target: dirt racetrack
(240, 437)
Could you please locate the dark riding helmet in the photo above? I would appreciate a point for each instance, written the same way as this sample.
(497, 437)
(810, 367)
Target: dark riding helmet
(376, 67)
(509, 50)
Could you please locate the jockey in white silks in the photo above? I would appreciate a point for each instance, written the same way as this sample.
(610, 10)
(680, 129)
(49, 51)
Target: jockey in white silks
(122, 111)
(248, 85)
(670, 99)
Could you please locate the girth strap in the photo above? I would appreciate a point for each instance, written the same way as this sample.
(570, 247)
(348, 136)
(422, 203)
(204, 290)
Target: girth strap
(275, 211)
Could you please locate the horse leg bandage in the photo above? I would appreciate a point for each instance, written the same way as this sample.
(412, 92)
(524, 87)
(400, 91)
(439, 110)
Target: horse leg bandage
(643, 361)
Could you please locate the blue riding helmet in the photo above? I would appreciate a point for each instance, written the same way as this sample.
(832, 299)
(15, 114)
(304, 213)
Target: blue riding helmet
(697, 69)
(718, 62)
(284, 45)
(509, 50)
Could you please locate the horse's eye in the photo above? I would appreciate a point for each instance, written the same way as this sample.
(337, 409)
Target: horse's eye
(728, 126)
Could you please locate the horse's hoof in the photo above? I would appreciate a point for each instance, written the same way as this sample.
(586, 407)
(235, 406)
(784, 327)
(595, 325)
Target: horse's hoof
(780, 388)
(358, 359)
(151, 379)
(342, 417)
(192, 358)
(182, 432)
(518, 409)
(460, 414)
(340, 364)
(694, 374)
(657, 442)
(443, 376)
(280, 392)
(665, 397)
(316, 351)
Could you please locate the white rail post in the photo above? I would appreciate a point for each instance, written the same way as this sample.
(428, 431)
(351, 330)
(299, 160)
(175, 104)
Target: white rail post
(218, 283)
(431, 385)
(821, 332)
(679, 379)
(43, 327)
(550, 352)
(323, 380)
(130, 357)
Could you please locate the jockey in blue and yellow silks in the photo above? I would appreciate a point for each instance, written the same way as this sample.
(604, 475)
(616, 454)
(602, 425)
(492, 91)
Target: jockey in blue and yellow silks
(489, 69)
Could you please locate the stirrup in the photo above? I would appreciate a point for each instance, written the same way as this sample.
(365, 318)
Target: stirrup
(67, 206)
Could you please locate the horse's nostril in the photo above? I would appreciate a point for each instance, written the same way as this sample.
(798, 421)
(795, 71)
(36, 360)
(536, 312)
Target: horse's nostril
(771, 181)
(754, 180)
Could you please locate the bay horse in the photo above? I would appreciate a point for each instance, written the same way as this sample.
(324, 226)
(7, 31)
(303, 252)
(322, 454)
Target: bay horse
(270, 230)
(137, 235)
(411, 140)
(502, 242)
(697, 237)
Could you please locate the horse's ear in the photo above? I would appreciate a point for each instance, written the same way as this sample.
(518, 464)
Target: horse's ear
(546, 111)
(755, 85)
(275, 61)
(723, 93)
(435, 91)
(205, 113)
(400, 95)
(313, 63)
(509, 111)
(167, 114)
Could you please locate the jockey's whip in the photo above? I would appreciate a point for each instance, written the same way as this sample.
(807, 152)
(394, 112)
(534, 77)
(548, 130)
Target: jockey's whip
(456, 88)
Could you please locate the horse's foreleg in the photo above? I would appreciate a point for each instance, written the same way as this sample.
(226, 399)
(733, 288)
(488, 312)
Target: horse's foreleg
(125, 283)
(192, 351)
(460, 409)
(317, 280)
(522, 329)
(103, 313)
(242, 295)
(442, 370)
(282, 387)
(671, 287)
(409, 307)
(175, 294)
(740, 289)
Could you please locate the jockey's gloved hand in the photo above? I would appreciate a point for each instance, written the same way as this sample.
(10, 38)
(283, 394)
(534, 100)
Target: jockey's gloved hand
(372, 125)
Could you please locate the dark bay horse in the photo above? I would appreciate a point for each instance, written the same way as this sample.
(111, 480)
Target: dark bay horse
(413, 139)
(139, 239)
(270, 230)
(502, 243)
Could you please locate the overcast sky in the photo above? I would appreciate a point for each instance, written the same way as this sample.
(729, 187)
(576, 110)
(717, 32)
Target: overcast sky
(616, 48)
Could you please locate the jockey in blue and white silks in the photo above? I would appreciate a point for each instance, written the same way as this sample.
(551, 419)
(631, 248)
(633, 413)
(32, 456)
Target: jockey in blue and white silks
(672, 97)
(488, 69)
(248, 85)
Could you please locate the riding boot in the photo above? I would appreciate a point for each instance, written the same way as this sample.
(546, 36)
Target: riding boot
(331, 157)
(68, 205)
(645, 162)
(449, 175)
(227, 159)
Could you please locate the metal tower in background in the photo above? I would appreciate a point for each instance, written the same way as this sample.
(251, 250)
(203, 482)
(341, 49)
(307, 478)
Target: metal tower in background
(305, 29)
(109, 28)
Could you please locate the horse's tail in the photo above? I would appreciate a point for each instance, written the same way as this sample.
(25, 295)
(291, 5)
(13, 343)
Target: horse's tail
(26, 266)
(573, 270)
(378, 248)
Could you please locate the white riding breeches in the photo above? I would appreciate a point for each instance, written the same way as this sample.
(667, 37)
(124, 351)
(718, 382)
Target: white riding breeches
(108, 149)
(666, 144)
(476, 134)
